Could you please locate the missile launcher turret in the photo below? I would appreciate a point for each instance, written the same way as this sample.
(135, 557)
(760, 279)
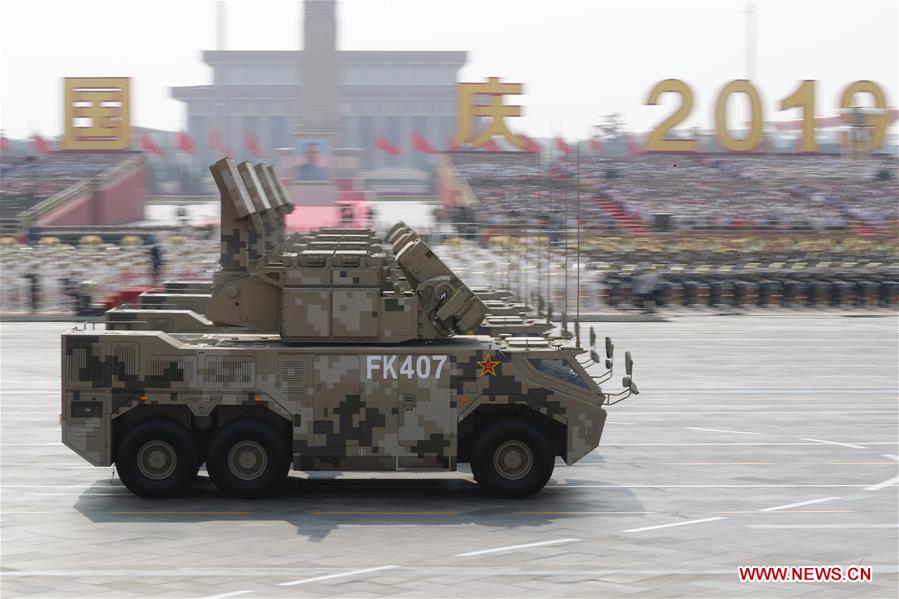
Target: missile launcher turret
(335, 284)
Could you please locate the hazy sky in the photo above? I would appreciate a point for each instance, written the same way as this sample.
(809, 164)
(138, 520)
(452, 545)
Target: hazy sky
(579, 60)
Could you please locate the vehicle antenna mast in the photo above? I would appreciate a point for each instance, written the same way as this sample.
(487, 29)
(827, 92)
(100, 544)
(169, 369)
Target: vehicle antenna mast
(565, 332)
(577, 261)
(549, 231)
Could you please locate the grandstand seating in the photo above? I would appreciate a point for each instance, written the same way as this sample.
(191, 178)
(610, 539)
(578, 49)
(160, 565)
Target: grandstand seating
(25, 182)
(701, 191)
(631, 224)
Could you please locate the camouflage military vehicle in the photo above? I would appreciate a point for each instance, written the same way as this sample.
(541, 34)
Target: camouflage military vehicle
(354, 371)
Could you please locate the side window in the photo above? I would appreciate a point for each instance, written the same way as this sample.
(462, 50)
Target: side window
(559, 369)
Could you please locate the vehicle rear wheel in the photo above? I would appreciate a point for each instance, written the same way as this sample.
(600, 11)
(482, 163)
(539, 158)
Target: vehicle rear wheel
(248, 458)
(157, 458)
(512, 459)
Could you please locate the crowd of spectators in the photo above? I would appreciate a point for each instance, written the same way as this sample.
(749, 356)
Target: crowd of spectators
(780, 192)
(26, 180)
(516, 193)
(102, 268)
(721, 191)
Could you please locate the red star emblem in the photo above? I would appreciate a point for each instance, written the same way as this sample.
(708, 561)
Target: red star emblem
(488, 366)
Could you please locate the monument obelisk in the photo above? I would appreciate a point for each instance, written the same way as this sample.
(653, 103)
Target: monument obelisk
(319, 68)
(318, 125)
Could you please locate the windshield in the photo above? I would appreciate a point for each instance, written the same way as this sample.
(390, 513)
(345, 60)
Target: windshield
(559, 369)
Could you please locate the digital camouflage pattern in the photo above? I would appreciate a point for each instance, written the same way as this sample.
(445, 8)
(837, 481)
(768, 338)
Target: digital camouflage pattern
(374, 407)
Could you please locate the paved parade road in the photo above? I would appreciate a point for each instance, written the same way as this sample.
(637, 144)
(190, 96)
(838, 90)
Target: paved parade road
(757, 440)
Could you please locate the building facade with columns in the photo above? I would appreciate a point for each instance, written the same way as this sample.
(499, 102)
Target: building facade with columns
(391, 94)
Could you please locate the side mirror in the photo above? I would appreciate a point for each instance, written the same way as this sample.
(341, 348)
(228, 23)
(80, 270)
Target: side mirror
(594, 356)
(608, 364)
(628, 363)
(626, 382)
(592, 338)
(610, 348)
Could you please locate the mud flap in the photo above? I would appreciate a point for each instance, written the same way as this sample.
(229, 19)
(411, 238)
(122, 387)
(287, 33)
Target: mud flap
(584, 432)
(85, 425)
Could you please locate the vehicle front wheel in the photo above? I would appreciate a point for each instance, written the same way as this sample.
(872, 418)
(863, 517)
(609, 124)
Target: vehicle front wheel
(157, 458)
(248, 458)
(512, 459)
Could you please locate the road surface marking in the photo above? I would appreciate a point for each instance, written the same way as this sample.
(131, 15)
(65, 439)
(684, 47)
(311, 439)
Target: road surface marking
(793, 512)
(813, 441)
(332, 576)
(514, 547)
(684, 523)
(841, 526)
(58, 443)
(56, 486)
(759, 486)
(694, 413)
(575, 513)
(385, 513)
(717, 463)
(224, 595)
(8, 513)
(849, 445)
(880, 463)
(856, 463)
(469, 570)
(799, 504)
(719, 430)
(887, 483)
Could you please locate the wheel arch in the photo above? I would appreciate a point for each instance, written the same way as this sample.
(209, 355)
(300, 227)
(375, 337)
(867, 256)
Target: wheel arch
(485, 415)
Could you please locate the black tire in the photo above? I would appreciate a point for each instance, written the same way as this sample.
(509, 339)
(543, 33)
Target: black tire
(248, 459)
(157, 458)
(512, 459)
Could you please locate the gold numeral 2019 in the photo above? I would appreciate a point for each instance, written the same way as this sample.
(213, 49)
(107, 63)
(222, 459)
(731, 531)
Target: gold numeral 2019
(803, 97)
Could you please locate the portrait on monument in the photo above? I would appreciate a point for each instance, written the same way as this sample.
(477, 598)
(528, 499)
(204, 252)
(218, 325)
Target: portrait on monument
(313, 156)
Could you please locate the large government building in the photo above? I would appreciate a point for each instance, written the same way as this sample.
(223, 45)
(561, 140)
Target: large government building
(273, 95)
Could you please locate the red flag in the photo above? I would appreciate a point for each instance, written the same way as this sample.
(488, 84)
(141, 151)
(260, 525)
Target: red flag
(491, 146)
(40, 144)
(562, 147)
(185, 143)
(633, 148)
(385, 146)
(420, 144)
(252, 144)
(4, 144)
(529, 144)
(147, 143)
(595, 145)
(215, 140)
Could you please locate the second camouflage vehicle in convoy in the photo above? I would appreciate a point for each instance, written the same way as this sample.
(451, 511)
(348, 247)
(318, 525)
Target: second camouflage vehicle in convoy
(366, 372)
